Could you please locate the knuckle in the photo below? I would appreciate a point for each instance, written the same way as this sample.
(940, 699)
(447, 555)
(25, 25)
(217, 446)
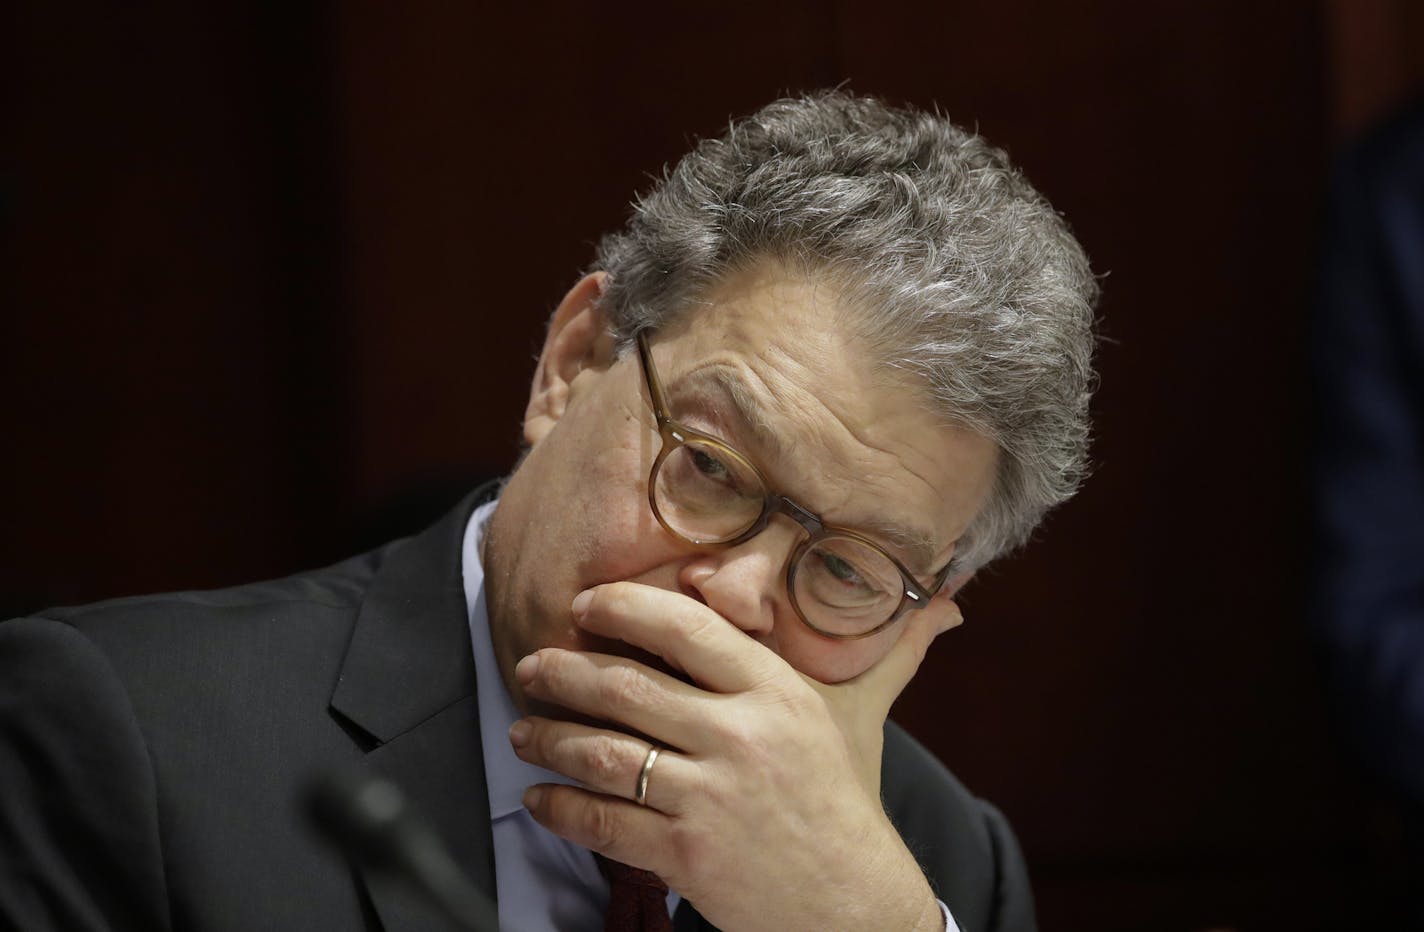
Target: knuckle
(695, 626)
(603, 828)
(553, 667)
(688, 850)
(737, 731)
(605, 760)
(621, 687)
(762, 755)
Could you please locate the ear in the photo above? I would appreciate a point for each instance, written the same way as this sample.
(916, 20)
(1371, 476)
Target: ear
(578, 340)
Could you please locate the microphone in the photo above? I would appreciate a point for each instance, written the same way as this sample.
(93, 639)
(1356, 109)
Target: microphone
(369, 819)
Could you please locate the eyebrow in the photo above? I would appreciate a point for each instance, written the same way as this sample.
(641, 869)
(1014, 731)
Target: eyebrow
(917, 545)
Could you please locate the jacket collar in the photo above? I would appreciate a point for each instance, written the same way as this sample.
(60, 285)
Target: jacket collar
(409, 655)
(408, 683)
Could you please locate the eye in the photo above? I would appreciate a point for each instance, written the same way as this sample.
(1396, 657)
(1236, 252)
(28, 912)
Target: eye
(844, 575)
(840, 569)
(709, 465)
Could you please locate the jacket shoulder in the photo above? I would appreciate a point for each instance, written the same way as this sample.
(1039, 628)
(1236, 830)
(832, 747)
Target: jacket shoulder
(339, 586)
(153, 639)
(963, 843)
(165, 738)
(79, 838)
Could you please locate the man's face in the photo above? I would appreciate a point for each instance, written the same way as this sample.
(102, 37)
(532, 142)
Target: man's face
(768, 368)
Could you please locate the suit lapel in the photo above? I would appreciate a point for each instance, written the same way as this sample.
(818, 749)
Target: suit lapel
(408, 683)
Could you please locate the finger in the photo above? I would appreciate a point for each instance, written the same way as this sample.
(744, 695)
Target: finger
(605, 761)
(615, 828)
(618, 690)
(878, 687)
(718, 655)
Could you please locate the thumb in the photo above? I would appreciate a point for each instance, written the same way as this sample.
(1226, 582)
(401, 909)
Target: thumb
(879, 687)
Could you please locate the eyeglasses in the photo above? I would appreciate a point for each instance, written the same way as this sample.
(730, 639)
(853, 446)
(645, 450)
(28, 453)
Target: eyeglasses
(841, 584)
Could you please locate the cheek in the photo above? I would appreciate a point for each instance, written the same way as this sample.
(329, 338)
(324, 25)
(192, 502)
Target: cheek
(618, 537)
(830, 661)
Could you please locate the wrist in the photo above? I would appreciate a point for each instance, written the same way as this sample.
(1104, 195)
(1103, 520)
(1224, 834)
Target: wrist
(932, 918)
(904, 898)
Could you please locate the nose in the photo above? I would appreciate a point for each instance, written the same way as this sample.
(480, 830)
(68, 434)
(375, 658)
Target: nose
(746, 584)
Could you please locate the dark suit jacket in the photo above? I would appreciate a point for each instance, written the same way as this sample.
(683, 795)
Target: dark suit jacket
(152, 750)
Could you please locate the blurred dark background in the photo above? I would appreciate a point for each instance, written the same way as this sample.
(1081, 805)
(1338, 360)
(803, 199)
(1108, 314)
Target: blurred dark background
(274, 274)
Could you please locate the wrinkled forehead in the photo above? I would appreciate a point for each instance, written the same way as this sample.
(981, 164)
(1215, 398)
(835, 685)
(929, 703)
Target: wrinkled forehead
(771, 362)
(812, 323)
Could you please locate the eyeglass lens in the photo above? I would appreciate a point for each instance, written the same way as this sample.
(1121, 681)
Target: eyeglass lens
(709, 494)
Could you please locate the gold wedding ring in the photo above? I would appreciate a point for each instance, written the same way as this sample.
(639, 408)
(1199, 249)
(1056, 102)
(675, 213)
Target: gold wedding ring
(640, 794)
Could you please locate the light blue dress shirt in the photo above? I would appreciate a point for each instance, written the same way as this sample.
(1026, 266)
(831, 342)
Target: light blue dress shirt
(544, 883)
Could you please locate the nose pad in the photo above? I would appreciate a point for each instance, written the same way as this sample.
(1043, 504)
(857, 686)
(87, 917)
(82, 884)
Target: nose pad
(745, 584)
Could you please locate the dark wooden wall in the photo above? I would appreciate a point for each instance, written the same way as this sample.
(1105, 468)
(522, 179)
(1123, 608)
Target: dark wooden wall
(272, 283)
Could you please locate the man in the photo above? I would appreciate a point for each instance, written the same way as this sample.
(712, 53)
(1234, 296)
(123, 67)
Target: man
(838, 361)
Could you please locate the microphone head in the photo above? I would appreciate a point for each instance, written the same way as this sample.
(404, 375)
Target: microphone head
(369, 818)
(366, 816)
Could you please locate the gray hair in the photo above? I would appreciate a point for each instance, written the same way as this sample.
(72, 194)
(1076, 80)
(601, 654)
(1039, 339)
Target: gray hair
(970, 281)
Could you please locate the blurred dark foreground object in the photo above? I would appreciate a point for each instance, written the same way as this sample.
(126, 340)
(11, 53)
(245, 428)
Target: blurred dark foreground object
(369, 819)
(1367, 363)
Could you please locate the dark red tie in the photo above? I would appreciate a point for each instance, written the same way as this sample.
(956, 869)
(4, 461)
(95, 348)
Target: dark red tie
(637, 899)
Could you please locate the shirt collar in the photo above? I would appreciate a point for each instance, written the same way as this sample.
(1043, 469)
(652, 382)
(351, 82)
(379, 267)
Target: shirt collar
(505, 774)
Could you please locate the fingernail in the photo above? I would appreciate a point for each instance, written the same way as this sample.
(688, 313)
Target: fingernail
(533, 796)
(519, 733)
(953, 621)
(525, 669)
(581, 601)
